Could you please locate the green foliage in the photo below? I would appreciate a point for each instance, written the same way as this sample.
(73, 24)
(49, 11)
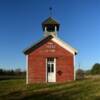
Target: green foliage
(95, 69)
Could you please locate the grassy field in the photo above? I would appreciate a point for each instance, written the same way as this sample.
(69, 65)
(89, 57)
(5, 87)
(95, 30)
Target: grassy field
(88, 89)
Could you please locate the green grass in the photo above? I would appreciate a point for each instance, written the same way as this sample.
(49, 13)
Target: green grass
(88, 89)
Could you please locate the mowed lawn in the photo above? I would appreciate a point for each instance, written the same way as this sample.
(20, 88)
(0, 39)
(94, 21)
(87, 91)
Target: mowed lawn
(88, 89)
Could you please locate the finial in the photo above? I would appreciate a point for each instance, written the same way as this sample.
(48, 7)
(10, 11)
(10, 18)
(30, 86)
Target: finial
(50, 11)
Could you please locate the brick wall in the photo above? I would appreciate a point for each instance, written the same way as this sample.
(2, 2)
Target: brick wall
(37, 63)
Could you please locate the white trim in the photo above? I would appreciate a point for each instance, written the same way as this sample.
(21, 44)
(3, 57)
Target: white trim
(26, 69)
(46, 33)
(74, 69)
(45, 29)
(55, 28)
(46, 71)
(64, 45)
(55, 68)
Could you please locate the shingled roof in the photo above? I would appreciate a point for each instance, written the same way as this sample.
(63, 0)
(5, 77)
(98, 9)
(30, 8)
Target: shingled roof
(50, 20)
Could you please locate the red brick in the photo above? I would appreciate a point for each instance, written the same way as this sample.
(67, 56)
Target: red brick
(37, 64)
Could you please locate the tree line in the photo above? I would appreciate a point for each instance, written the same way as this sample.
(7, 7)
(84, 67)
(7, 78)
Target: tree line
(12, 72)
(95, 70)
(80, 73)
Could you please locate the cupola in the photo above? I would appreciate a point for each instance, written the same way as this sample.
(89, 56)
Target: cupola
(50, 26)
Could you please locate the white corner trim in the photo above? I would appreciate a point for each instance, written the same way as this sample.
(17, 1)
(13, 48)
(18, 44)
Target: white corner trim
(55, 69)
(46, 71)
(64, 45)
(74, 69)
(26, 69)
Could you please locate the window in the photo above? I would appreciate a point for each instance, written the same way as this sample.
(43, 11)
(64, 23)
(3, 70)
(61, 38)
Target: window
(50, 65)
(50, 59)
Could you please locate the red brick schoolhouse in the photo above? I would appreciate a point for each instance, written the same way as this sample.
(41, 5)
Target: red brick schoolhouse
(50, 59)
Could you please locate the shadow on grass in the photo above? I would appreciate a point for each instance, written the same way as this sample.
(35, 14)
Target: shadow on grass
(65, 93)
(16, 95)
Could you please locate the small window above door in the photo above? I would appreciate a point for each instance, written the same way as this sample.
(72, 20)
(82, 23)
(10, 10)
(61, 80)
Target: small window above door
(50, 59)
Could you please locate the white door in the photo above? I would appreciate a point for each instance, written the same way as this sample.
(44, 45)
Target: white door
(51, 70)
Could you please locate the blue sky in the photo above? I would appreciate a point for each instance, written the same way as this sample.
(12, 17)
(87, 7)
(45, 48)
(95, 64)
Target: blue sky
(20, 26)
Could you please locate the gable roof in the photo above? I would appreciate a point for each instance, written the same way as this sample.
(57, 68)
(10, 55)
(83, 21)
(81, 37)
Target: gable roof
(46, 39)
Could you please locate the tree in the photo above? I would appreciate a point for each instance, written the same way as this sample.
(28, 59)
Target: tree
(95, 69)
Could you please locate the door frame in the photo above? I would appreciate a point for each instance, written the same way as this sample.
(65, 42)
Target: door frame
(54, 68)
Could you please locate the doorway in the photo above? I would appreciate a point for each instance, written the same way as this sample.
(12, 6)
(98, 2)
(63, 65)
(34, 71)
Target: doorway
(51, 69)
